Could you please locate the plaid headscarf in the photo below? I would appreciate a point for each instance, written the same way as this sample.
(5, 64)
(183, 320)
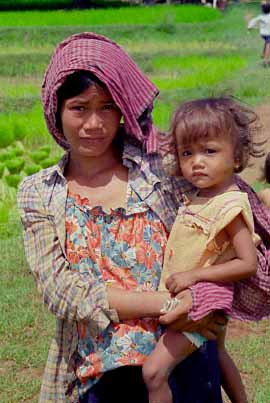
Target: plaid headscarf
(132, 92)
(252, 295)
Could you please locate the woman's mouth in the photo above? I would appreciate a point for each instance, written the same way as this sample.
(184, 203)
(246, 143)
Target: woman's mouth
(92, 140)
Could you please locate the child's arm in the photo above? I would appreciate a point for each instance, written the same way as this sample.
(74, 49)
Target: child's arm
(252, 23)
(243, 266)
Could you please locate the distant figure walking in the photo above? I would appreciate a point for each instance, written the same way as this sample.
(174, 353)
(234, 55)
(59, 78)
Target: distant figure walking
(263, 20)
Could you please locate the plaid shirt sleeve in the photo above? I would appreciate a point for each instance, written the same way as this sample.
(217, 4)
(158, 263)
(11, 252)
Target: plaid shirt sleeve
(67, 294)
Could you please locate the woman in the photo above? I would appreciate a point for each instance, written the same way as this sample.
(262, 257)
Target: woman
(95, 230)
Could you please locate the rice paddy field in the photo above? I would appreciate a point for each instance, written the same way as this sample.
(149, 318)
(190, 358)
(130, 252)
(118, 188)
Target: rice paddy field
(188, 51)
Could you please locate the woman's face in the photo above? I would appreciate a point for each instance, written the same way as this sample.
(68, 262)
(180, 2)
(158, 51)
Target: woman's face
(90, 122)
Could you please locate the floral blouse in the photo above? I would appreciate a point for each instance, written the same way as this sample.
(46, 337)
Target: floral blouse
(124, 248)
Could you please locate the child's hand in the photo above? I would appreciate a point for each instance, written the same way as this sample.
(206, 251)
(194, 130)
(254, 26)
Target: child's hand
(180, 281)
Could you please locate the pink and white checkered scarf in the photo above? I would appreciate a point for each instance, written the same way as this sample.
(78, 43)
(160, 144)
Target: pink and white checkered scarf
(132, 92)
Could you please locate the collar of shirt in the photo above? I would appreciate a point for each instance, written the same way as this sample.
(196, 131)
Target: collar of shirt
(147, 179)
(146, 171)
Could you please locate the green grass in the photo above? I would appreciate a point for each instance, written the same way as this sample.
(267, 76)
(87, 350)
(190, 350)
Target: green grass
(14, 87)
(257, 186)
(25, 327)
(132, 15)
(186, 72)
(250, 352)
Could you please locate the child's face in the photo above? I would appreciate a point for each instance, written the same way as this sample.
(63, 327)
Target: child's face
(208, 164)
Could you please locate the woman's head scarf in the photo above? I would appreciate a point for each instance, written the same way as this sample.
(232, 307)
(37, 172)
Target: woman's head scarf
(130, 89)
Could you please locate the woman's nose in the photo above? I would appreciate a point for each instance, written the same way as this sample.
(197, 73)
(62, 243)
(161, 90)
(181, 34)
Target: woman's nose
(92, 121)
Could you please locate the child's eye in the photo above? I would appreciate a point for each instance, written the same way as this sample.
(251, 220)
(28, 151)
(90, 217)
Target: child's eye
(185, 153)
(210, 151)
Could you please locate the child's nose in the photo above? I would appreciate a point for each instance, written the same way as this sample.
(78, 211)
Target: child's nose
(197, 160)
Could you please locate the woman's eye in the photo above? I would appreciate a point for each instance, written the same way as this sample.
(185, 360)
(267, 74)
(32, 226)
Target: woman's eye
(108, 107)
(79, 108)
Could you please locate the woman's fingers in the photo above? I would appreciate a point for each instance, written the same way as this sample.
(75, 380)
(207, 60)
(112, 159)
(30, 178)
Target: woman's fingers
(173, 316)
(173, 320)
(214, 327)
(220, 319)
(208, 334)
(184, 306)
(210, 326)
(212, 331)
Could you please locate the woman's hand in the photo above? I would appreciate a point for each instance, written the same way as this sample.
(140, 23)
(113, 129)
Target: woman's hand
(209, 326)
(180, 312)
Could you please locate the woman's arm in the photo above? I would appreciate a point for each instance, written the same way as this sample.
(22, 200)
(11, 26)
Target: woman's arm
(241, 267)
(67, 294)
(131, 305)
(136, 304)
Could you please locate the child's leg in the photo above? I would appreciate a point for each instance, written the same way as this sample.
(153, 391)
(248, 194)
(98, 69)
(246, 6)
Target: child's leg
(266, 52)
(171, 349)
(266, 49)
(230, 377)
(264, 46)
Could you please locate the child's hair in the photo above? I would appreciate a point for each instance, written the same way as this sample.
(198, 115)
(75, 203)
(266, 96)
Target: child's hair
(266, 8)
(218, 117)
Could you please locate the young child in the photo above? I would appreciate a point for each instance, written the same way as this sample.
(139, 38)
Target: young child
(264, 22)
(213, 236)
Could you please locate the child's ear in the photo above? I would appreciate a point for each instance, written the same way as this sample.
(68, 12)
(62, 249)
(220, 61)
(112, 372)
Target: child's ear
(237, 166)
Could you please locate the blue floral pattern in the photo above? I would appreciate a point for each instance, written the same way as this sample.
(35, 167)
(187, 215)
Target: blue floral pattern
(124, 248)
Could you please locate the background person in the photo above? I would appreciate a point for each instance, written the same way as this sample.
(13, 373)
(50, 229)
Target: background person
(263, 20)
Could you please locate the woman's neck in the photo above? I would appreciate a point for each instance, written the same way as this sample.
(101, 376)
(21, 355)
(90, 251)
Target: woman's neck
(89, 168)
(102, 180)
